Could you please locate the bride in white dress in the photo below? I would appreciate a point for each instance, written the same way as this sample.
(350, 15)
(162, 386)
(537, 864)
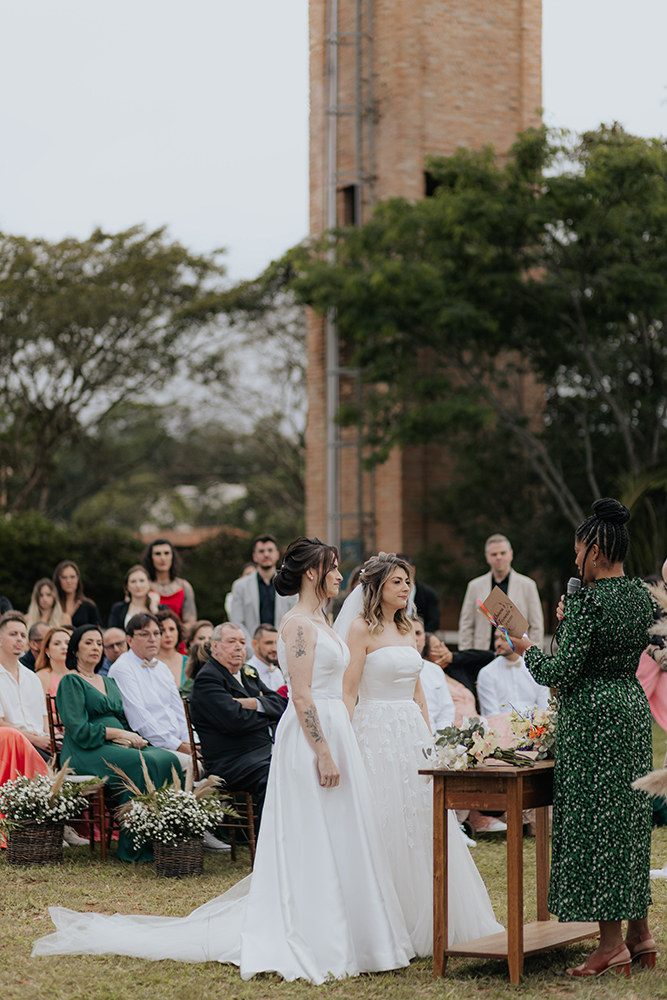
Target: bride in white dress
(320, 902)
(391, 724)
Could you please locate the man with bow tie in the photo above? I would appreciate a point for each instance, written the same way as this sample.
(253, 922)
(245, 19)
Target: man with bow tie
(151, 701)
(235, 715)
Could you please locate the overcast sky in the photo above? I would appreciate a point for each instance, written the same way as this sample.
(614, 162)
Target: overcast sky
(194, 113)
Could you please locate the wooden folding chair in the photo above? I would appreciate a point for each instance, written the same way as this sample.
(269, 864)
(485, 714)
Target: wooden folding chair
(98, 808)
(243, 803)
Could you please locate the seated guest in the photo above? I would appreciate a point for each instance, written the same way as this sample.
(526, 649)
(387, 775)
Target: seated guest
(139, 596)
(77, 608)
(200, 653)
(97, 734)
(21, 696)
(265, 656)
(115, 643)
(44, 605)
(171, 640)
(464, 700)
(51, 664)
(235, 715)
(151, 702)
(18, 756)
(199, 631)
(506, 683)
(440, 704)
(36, 635)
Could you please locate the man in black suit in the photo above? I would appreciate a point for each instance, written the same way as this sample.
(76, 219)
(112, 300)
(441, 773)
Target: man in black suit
(235, 715)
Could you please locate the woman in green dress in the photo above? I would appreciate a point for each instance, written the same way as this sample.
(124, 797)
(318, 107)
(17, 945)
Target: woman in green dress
(91, 709)
(601, 827)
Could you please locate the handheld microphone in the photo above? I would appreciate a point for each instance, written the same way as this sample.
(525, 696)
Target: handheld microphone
(573, 585)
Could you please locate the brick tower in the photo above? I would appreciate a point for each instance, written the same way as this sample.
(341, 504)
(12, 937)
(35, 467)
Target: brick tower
(392, 81)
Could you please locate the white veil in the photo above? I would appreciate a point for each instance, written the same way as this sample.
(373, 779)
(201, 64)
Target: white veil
(352, 608)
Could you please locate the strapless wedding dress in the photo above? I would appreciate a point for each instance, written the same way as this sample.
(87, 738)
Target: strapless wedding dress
(320, 902)
(391, 733)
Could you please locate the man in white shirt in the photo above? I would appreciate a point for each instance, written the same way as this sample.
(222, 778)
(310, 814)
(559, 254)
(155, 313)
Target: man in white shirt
(22, 703)
(151, 702)
(265, 656)
(506, 683)
(439, 702)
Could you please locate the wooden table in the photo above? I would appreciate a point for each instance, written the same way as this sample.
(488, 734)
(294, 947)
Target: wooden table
(505, 789)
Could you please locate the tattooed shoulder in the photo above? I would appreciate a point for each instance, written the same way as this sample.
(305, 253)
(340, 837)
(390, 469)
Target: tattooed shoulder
(299, 647)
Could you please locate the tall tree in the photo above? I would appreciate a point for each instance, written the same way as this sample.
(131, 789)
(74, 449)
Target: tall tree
(529, 296)
(85, 324)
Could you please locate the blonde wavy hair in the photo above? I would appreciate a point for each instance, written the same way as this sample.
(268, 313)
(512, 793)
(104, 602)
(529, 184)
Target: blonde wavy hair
(374, 574)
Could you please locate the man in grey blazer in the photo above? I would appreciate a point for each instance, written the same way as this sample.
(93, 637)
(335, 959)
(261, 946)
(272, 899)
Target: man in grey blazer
(254, 598)
(475, 632)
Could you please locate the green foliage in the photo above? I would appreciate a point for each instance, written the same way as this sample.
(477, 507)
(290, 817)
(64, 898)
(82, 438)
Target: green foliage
(212, 568)
(527, 301)
(32, 547)
(86, 324)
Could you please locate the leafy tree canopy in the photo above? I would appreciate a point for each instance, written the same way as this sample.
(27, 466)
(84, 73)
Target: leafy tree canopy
(527, 298)
(86, 324)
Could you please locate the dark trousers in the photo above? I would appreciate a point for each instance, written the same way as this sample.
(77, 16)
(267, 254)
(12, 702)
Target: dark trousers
(252, 778)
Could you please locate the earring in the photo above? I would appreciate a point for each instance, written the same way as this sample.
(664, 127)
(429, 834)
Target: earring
(594, 564)
(310, 577)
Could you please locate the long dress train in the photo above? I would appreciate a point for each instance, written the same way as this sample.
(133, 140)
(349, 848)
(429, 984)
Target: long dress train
(321, 901)
(392, 733)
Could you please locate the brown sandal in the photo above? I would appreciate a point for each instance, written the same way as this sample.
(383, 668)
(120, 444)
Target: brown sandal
(619, 959)
(644, 949)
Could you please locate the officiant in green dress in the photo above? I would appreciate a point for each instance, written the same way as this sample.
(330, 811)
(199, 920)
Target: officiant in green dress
(601, 827)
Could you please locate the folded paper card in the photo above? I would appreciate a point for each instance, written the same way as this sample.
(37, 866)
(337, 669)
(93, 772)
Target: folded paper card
(503, 613)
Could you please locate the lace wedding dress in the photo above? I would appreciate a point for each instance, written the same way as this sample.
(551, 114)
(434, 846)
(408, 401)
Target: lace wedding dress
(391, 733)
(320, 902)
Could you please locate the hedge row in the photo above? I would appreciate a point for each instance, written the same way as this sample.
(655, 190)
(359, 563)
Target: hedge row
(31, 547)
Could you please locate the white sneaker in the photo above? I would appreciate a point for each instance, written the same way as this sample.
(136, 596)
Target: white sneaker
(212, 843)
(493, 826)
(72, 839)
(466, 838)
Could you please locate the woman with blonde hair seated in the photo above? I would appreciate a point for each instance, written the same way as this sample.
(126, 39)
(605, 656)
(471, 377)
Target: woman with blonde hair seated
(51, 665)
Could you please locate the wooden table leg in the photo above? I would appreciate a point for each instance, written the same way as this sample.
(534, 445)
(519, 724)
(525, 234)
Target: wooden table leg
(440, 931)
(515, 879)
(542, 860)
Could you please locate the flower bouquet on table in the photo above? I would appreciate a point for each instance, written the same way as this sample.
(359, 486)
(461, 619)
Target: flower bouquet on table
(33, 813)
(457, 749)
(175, 818)
(535, 730)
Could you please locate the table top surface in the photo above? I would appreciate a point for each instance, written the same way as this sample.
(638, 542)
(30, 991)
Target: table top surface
(495, 770)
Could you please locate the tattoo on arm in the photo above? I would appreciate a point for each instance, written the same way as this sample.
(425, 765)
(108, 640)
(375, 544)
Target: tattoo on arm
(312, 722)
(299, 643)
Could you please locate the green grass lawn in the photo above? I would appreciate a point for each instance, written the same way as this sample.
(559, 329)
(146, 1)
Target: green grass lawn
(84, 883)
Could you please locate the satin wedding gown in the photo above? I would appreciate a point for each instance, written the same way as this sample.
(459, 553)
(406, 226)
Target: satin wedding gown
(391, 733)
(320, 902)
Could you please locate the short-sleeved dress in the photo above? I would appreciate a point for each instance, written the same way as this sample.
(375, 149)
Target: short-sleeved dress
(601, 828)
(85, 713)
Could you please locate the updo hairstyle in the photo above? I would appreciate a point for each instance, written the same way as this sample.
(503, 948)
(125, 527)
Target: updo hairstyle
(303, 554)
(606, 529)
(374, 574)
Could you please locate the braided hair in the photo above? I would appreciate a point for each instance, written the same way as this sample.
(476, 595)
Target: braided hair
(606, 529)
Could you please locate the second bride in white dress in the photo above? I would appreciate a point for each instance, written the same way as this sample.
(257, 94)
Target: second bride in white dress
(390, 722)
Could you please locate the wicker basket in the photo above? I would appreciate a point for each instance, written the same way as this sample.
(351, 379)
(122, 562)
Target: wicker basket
(35, 844)
(179, 860)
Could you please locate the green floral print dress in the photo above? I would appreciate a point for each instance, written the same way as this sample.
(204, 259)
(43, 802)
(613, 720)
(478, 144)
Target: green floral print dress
(601, 841)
